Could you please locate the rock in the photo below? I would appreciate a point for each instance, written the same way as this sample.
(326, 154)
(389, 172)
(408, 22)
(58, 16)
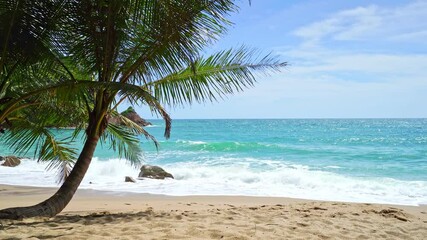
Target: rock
(154, 172)
(10, 161)
(114, 120)
(134, 117)
(130, 179)
(131, 115)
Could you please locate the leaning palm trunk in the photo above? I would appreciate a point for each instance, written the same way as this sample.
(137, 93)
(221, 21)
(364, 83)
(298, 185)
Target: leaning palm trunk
(63, 196)
(146, 52)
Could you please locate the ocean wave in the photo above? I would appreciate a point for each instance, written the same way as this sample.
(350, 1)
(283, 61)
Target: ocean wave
(152, 126)
(333, 167)
(191, 142)
(233, 176)
(226, 146)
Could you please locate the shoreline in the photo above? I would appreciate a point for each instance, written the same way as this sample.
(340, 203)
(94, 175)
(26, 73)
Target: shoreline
(136, 215)
(31, 193)
(27, 194)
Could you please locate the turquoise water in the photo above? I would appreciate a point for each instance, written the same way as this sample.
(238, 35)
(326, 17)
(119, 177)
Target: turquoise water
(395, 148)
(362, 160)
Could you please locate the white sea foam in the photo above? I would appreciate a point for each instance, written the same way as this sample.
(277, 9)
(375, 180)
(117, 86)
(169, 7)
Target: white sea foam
(152, 126)
(333, 167)
(233, 177)
(191, 142)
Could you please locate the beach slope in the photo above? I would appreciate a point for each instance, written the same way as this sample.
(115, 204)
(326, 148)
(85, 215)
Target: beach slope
(107, 215)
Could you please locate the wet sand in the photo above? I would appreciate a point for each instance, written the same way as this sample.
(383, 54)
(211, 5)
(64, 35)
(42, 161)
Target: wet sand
(107, 215)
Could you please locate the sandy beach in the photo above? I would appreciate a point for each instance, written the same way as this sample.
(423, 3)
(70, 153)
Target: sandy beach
(108, 215)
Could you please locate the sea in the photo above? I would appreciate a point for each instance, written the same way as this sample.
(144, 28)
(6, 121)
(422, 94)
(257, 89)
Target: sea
(351, 160)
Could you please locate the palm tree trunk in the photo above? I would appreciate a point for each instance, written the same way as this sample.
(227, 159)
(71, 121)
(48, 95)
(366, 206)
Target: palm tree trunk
(56, 203)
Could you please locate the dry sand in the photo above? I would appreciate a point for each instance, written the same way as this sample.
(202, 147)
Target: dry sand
(103, 215)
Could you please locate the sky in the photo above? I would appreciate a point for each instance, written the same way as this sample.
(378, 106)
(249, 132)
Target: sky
(347, 59)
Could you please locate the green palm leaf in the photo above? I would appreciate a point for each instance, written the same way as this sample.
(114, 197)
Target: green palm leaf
(125, 142)
(206, 79)
(135, 128)
(77, 60)
(172, 37)
(26, 135)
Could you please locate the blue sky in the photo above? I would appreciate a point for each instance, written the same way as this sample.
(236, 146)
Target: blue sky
(347, 59)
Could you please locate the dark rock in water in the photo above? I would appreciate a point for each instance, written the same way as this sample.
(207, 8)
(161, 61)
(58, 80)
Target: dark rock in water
(10, 161)
(115, 120)
(130, 179)
(134, 117)
(131, 115)
(154, 172)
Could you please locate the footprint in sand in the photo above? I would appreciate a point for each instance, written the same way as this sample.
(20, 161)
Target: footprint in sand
(319, 208)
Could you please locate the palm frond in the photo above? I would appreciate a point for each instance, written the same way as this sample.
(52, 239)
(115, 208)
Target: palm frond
(59, 155)
(76, 89)
(124, 141)
(73, 59)
(207, 79)
(26, 30)
(26, 135)
(161, 43)
(136, 129)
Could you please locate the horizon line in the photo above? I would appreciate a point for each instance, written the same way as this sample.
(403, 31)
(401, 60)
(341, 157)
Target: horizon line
(297, 118)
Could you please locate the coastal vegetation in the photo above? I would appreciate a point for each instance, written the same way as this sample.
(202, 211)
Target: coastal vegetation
(72, 63)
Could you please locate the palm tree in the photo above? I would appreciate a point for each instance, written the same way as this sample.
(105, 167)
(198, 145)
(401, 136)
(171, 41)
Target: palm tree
(28, 64)
(25, 55)
(143, 51)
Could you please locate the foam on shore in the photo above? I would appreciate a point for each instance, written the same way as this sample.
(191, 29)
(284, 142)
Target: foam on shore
(245, 177)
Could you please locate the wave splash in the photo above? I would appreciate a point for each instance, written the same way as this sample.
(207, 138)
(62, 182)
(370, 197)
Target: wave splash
(233, 176)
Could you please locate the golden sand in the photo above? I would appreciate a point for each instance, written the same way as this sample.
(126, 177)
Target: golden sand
(103, 215)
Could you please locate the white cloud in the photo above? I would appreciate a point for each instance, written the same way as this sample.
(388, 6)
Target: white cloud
(330, 61)
(352, 80)
(368, 23)
(319, 56)
(357, 80)
(416, 36)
